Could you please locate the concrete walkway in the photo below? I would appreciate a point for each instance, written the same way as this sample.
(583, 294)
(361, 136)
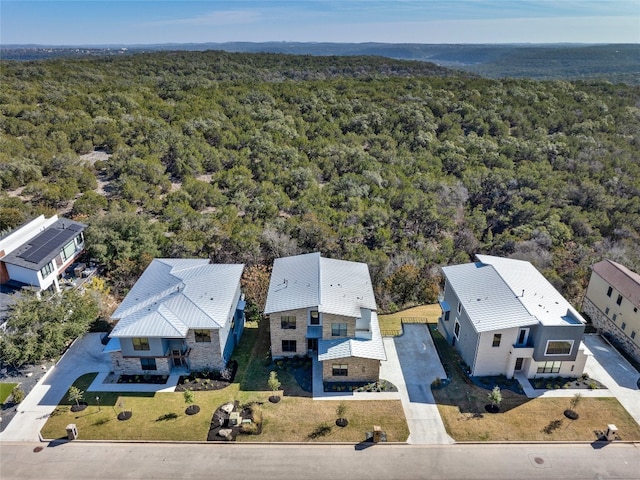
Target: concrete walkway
(84, 356)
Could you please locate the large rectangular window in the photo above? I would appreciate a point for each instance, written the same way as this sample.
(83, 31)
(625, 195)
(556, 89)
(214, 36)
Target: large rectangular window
(619, 300)
(148, 363)
(288, 322)
(549, 367)
(497, 337)
(456, 330)
(447, 315)
(202, 336)
(289, 346)
(314, 317)
(338, 329)
(559, 347)
(340, 370)
(46, 270)
(609, 291)
(140, 343)
(68, 250)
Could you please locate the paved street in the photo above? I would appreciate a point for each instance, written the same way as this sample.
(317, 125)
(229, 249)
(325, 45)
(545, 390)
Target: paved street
(100, 461)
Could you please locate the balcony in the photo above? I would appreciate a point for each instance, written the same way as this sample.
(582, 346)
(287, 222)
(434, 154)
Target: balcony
(522, 350)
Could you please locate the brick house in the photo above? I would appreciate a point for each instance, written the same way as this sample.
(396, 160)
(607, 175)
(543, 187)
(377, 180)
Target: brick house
(612, 302)
(504, 318)
(182, 314)
(326, 307)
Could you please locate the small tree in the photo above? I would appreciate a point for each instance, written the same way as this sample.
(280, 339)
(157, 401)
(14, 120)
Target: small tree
(17, 394)
(495, 397)
(189, 397)
(274, 385)
(575, 401)
(75, 395)
(341, 411)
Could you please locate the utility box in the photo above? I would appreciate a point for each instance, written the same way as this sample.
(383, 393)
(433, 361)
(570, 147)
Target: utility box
(72, 431)
(611, 432)
(234, 418)
(377, 434)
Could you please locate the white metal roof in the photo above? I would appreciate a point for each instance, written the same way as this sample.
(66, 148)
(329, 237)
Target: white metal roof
(175, 295)
(536, 294)
(354, 347)
(489, 302)
(338, 287)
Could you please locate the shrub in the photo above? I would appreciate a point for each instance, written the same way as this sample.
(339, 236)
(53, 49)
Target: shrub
(437, 382)
(17, 394)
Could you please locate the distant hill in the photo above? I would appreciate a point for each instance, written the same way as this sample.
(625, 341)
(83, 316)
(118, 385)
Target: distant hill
(614, 63)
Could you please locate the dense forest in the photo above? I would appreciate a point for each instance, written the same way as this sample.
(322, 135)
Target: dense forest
(247, 157)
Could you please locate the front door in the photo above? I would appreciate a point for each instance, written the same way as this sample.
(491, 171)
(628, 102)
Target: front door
(177, 358)
(519, 362)
(312, 344)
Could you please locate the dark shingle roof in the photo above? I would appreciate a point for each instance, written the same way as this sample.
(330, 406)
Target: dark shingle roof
(621, 278)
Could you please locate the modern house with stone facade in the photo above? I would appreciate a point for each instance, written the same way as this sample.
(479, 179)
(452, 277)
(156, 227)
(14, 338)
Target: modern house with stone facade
(612, 302)
(505, 318)
(35, 255)
(326, 307)
(181, 315)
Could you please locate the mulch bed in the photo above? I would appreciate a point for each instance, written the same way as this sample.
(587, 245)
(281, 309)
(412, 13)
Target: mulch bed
(342, 422)
(492, 408)
(220, 422)
(146, 379)
(206, 381)
(379, 386)
(571, 414)
(122, 416)
(554, 383)
(192, 409)
(79, 407)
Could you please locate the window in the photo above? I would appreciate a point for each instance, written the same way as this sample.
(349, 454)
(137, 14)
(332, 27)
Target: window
(496, 339)
(606, 311)
(456, 330)
(340, 370)
(549, 367)
(559, 347)
(288, 323)
(459, 307)
(619, 300)
(609, 291)
(140, 343)
(623, 326)
(68, 250)
(615, 317)
(633, 334)
(522, 336)
(314, 317)
(446, 316)
(46, 270)
(289, 346)
(635, 309)
(338, 329)
(202, 336)
(148, 363)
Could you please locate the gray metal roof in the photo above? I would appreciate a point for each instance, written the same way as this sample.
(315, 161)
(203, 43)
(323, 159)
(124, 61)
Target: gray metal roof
(175, 295)
(354, 347)
(333, 286)
(538, 296)
(489, 302)
(44, 247)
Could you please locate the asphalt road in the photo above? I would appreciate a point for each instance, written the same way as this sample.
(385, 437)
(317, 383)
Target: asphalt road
(88, 461)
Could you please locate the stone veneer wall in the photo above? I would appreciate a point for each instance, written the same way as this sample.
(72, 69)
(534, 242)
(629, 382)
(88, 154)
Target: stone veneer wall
(205, 355)
(298, 334)
(360, 370)
(328, 319)
(604, 325)
(131, 365)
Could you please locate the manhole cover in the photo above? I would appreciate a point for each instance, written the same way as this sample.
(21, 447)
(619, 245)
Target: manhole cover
(37, 449)
(538, 460)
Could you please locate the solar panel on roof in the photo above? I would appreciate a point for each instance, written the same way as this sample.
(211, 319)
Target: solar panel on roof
(47, 243)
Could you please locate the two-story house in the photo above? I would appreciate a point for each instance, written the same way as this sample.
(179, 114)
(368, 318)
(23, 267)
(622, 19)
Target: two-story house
(36, 254)
(326, 307)
(504, 317)
(612, 302)
(182, 314)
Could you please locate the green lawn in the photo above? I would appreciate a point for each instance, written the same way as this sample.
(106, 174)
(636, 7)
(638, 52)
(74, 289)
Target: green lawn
(161, 416)
(390, 325)
(461, 405)
(5, 391)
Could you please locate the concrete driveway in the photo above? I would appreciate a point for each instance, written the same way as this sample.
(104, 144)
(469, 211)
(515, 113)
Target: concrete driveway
(610, 368)
(84, 356)
(412, 364)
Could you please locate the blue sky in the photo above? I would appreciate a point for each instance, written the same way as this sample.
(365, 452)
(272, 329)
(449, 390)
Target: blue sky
(88, 22)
